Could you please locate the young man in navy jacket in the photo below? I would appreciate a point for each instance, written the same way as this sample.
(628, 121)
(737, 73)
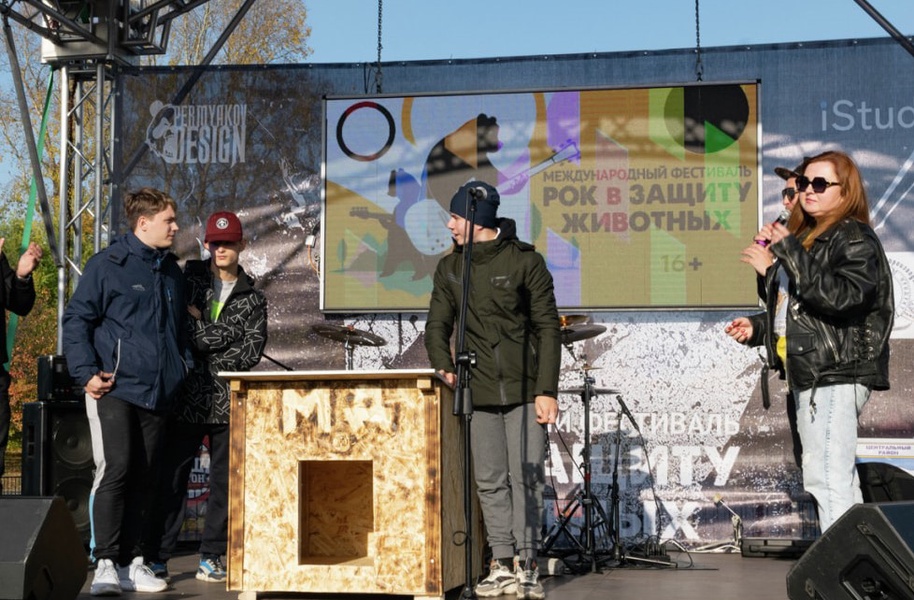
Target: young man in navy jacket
(124, 340)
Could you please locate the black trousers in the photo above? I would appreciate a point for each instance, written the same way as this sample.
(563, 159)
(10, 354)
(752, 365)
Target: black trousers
(180, 451)
(126, 443)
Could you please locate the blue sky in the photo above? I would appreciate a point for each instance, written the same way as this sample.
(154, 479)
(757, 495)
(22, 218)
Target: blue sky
(347, 30)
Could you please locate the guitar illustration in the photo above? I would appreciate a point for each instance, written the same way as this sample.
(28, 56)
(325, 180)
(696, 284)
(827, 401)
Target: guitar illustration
(567, 151)
(426, 222)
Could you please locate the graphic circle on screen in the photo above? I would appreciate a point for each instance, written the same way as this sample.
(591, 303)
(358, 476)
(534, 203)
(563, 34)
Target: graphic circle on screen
(707, 119)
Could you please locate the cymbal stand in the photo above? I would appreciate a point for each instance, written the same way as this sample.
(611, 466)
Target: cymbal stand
(349, 347)
(588, 552)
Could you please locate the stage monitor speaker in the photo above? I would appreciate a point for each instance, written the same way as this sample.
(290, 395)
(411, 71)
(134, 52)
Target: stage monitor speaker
(54, 381)
(57, 456)
(41, 555)
(883, 482)
(865, 554)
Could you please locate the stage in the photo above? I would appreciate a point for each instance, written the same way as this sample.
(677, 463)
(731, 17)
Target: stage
(696, 577)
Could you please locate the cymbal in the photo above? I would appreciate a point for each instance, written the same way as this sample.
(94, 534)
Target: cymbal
(566, 320)
(576, 333)
(348, 333)
(593, 391)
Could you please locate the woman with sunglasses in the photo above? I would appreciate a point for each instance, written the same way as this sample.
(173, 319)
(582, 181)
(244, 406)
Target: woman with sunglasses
(839, 317)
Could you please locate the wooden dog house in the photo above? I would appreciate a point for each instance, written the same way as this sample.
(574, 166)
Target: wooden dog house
(346, 482)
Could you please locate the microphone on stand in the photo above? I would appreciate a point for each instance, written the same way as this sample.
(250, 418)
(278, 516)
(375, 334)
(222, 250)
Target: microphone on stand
(479, 193)
(628, 413)
(782, 219)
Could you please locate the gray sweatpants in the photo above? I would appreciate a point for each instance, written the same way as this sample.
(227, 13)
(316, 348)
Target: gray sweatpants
(508, 448)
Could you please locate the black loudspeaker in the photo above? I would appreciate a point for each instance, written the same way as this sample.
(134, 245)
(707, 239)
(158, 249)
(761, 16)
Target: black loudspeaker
(54, 381)
(882, 482)
(41, 555)
(57, 456)
(865, 554)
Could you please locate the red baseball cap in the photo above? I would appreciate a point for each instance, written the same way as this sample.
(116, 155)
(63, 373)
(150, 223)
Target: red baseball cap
(223, 226)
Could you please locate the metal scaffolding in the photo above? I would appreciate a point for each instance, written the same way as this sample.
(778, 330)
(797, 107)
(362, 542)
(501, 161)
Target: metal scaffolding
(87, 42)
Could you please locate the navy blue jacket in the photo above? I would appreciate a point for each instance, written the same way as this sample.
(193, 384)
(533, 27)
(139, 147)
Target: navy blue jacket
(127, 317)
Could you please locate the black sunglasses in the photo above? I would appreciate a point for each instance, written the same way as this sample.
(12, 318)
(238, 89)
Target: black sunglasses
(789, 193)
(819, 184)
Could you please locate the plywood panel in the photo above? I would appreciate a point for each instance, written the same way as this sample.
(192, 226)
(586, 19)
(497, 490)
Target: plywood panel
(345, 485)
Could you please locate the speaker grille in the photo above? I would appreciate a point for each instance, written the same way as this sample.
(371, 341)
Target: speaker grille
(57, 456)
(71, 442)
(866, 553)
(41, 556)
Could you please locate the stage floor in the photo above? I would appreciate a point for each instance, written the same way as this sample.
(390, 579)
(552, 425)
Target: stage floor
(695, 577)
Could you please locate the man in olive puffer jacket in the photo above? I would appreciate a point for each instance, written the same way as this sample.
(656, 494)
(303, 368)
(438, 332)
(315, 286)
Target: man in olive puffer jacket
(512, 326)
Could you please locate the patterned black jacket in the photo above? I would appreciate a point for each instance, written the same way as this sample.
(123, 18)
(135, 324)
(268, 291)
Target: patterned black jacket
(233, 342)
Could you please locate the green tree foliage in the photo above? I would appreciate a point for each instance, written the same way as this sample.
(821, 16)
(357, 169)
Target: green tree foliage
(272, 31)
(36, 333)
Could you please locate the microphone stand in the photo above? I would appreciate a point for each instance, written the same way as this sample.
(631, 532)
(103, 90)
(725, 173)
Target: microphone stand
(622, 558)
(614, 497)
(463, 396)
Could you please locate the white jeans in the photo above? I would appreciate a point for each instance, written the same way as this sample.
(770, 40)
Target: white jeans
(828, 433)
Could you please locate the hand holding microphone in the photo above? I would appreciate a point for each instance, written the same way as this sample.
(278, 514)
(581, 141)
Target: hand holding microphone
(757, 255)
(782, 219)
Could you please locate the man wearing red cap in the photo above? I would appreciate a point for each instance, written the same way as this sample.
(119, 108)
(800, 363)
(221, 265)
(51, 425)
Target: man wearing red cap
(228, 332)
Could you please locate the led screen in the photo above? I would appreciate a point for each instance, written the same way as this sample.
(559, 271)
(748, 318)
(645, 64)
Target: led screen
(638, 198)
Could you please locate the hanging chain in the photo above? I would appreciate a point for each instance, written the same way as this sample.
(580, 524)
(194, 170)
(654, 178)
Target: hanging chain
(699, 68)
(379, 77)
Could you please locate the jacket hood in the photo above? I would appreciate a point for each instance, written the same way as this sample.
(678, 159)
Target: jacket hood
(136, 246)
(507, 232)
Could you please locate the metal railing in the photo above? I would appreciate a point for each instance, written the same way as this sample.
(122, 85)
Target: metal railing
(12, 476)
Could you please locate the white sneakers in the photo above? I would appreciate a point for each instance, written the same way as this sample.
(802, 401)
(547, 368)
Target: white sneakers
(106, 581)
(136, 577)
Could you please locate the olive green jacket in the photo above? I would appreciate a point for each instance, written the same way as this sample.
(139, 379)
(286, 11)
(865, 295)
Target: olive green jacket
(512, 323)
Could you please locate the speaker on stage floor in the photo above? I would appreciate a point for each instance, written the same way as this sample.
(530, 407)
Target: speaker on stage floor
(54, 381)
(867, 553)
(57, 456)
(883, 482)
(41, 555)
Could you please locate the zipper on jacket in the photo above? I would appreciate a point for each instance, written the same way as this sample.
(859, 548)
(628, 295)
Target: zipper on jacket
(502, 393)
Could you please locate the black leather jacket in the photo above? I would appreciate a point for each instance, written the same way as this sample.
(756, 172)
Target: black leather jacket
(840, 311)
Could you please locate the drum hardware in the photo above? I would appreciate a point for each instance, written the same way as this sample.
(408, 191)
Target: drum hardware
(569, 320)
(350, 336)
(576, 333)
(595, 518)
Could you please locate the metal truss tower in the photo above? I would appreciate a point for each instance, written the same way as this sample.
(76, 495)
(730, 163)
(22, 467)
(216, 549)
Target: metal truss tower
(87, 42)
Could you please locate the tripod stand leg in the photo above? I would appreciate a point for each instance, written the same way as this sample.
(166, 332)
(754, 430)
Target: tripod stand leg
(560, 527)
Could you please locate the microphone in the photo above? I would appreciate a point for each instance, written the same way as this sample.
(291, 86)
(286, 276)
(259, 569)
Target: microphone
(782, 219)
(628, 413)
(479, 193)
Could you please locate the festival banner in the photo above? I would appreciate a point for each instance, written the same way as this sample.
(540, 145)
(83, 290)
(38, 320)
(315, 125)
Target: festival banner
(637, 197)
